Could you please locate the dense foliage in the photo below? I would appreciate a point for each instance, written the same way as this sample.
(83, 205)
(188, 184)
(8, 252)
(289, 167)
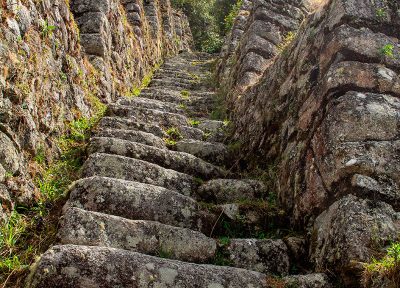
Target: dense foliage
(210, 20)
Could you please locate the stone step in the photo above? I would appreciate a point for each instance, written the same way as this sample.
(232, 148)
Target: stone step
(266, 256)
(187, 79)
(125, 168)
(68, 266)
(133, 136)
(196, 107)
(208, 125)
(189, 132)
(139, 201)
(313, 280)
(146, 103)
(174, 84)
(165, 95)
(221, 191)
(177, 93)
(178, 161)
(216, 153)
(118, 123)
(155, 117)
(179, 75)
(129, 124)
(81, 227)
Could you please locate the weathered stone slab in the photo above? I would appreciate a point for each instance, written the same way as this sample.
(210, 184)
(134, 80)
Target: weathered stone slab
(177, 161)
(129, 124)
(138, 201)
(133, 136)
(81, 227)
(214, 152)
(146, 103)
(157, 117)
(265, 256)
(348, 232)
(81, 266)
(231, 190)
(316, 280)
(131, 169)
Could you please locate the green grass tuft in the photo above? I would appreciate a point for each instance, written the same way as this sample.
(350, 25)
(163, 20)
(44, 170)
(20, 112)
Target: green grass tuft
(385, 270)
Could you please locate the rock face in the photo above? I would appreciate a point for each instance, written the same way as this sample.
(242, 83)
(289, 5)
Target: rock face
(258, 35)
(325, 109)
(61, 58)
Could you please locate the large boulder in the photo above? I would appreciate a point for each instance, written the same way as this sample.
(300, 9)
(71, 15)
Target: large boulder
(350, 232)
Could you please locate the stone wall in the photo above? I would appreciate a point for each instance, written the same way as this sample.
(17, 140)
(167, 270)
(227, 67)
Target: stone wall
(257, 37)
(326, 112)
(57, 59)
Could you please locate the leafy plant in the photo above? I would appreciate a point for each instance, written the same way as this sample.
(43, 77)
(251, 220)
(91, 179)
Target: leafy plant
(289, 37)
(381, 12)
(230, 18)
(194, 123)
(388, 50)
(174, 134)
(170, 142)
(185, 94)
(386, 268)
(40, 156)
(206, 19)
(47, 30)
(182, 106)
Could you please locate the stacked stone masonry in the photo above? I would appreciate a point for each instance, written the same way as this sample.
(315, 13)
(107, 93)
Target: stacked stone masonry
(58, 60)
(325, 111)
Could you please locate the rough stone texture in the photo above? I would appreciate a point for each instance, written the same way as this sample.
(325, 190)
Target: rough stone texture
(61, 58)
(265, 256)
(133, 136)
(80, 266)
(120, 167)
(150, 104)
(128, 124)
(10, 158)
(164, 119)
(325, 111)
(80, 227)
(213, 152)
(316, 280)
(105, 24)
(231, 190)
(259, 29)
(134, 200)
(177, 161)
(348, 232)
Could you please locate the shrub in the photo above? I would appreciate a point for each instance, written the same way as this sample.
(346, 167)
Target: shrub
(385, 271)
(207, 20)
(230, 18)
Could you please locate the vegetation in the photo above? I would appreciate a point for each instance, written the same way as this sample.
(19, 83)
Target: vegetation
(30, 231)
(185, 94)
(381, 13)
(289, 37)
(388, 50)
(136, 90)
(174, 135)
(210, 20)
(47, 30)
(384, 272)
(230, 18)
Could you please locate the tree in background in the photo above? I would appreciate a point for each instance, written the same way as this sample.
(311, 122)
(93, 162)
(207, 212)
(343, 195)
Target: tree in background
(209, 21)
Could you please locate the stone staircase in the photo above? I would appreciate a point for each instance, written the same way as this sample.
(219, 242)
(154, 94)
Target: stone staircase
(151, 213)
